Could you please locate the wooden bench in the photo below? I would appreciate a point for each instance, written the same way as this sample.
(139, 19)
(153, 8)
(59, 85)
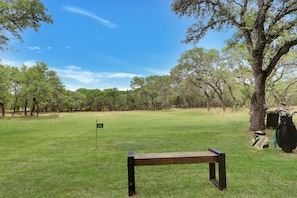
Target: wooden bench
(212, 156)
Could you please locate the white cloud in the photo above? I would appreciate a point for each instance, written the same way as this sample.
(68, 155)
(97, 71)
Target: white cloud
(72, 67)
(10, 62)
(35, 49)
(86, 77)
(72, 87)
(158, 71)
(91, 15)
(28, 63)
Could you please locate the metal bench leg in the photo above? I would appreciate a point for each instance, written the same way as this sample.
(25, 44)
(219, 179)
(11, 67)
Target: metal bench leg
(212, 171)
(131, 173)
(222, 171)
(222, 183)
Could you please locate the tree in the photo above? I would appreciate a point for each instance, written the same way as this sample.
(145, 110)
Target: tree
(41, 86)
(15, 80)
(282, 80)
(267, 27)
(205, 69)
(17, 15)
(138, 84)
(73, 100)
(236, 62)
(4, 88)
(111, 96)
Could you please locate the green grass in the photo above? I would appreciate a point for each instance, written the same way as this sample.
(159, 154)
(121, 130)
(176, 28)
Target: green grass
(56, 155)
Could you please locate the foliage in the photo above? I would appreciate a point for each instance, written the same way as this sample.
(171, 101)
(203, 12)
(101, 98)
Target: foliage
(4, 88)
(267, 28)
(209, 73)
(203, 78)
(18, 15)
(36, 84)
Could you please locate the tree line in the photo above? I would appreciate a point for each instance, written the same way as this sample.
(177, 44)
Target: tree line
(264, 34)
(202, 78)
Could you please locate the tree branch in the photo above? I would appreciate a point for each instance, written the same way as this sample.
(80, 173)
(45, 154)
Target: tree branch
(283, 50)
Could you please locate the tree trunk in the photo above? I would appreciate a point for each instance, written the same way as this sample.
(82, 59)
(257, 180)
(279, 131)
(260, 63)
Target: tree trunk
(2, 109)
(258, 103)
(37, 106)
(33, 108)
(14, 106)
(25, 109)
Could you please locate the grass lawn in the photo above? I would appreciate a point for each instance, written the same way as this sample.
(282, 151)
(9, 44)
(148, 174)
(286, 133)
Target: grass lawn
(56, 155)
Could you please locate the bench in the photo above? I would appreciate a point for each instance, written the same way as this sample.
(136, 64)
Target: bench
(212, 156)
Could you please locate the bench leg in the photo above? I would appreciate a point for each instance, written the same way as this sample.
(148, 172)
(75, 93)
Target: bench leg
(131, 173)
(221, 184)
(222, 171)
(212, 171)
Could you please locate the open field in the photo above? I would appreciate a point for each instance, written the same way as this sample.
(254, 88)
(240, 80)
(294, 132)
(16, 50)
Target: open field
(56, 155)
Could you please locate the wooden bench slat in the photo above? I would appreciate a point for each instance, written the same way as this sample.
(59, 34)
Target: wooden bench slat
(175, 158)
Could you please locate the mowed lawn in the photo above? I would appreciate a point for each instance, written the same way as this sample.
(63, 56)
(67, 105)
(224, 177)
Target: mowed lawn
(55, 155)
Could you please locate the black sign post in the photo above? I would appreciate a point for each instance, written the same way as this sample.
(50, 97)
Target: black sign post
(98, 125)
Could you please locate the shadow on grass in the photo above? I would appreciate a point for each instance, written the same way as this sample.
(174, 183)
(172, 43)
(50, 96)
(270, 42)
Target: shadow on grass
(137, 144)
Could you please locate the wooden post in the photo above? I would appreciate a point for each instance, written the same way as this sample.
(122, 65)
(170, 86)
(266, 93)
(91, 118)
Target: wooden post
(131, 173)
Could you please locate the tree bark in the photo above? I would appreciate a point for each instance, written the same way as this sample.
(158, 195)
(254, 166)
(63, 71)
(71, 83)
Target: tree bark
(258, 104)
(14, 106)
(2, 109)
(25, 108)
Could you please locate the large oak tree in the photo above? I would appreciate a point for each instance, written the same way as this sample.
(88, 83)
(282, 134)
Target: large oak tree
(267, 27)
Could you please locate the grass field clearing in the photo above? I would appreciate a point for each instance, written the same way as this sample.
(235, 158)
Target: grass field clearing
(56, 156)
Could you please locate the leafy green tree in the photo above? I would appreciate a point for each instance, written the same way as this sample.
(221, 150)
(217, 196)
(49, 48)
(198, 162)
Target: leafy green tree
(282, 81)
(111, 97)
(267, 27)
(93, 99)
(138, 85)
(15, 81)
(4, 88)
(73, 100)
(18, 15)
(235, 60)
(56, 92)
(204, 69)
(40, 86)
(163, 85)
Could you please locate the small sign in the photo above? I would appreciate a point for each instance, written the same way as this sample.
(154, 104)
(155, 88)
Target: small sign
(99, 125)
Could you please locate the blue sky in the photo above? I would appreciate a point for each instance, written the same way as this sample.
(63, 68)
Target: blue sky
(100, 44)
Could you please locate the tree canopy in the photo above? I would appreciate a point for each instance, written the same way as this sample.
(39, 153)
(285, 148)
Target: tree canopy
(266, 27)
(18, 15)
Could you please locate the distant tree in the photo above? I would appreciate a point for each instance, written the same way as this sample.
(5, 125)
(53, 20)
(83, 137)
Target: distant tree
(268, 29)
(205, 70)
(18, 15)
(15, 80)
(283, 80)
(111, 97)
(4, 88)
(138, 85)
(40, 86)
(235, 60)
(93, 99)
(74, 100)
(56, 92)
